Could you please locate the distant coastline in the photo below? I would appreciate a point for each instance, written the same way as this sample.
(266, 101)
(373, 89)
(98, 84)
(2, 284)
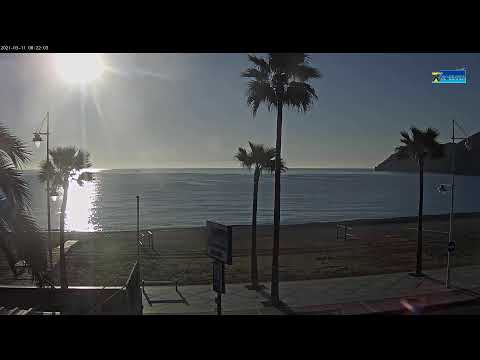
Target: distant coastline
(466, 162)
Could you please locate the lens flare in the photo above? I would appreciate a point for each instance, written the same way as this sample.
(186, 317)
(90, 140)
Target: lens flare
(79, 68)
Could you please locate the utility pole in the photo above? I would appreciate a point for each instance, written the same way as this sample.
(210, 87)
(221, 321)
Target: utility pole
(48, 195)
(452, 194)
(451, 241)
(37, 140)
(138, 229)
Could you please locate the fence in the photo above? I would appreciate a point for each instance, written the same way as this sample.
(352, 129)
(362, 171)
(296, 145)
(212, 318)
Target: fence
(345, 229)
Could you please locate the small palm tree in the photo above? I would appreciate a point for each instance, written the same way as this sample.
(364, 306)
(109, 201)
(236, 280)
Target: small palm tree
(280, 80)
(261, 158)
(16, 221)
(67, 164)
(419, 146)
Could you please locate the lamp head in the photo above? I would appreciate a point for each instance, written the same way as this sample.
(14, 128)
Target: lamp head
(53, 196)
(443, 188)
(37, 139)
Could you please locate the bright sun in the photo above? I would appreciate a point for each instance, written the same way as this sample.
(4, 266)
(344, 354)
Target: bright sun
(79, 68)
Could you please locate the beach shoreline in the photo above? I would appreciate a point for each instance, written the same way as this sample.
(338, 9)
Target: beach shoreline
(357, 221)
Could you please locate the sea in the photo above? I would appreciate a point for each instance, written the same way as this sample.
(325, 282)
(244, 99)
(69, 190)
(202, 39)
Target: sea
(178, 198)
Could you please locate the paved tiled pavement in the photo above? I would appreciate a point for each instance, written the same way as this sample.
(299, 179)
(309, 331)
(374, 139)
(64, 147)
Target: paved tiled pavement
(352, 295)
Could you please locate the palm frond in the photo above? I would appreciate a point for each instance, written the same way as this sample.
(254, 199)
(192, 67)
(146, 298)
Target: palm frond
(84, 176)
(47, 171)
(420, 144)
(305, 72)
(432, 133)
(66, 163)
(14, 186)
(260, 156)
(81, 160)
(262, 64)
(300, 95)
(405, 137)
(13, 147)
(286, 62)
(256, 74)
(244, 158)
(271, 166)
(260, 92)
(416, 134)
(63, 158)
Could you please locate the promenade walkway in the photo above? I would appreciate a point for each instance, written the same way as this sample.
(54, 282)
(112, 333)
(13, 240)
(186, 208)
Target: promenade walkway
(386, 293)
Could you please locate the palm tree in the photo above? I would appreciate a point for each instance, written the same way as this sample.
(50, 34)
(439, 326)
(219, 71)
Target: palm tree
(261, 158)
(20, 237)
(279, 80)
(67, 164)
(419, 146)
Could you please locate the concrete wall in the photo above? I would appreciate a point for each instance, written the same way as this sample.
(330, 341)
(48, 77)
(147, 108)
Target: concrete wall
(74, 300)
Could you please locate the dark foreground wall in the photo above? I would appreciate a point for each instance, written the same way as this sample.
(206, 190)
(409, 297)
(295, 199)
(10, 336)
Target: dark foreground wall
(74, 300)
(82, 300)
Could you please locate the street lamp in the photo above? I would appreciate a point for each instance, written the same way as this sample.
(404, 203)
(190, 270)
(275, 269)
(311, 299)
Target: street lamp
(444, 188)
(37, 140)
(54, 196)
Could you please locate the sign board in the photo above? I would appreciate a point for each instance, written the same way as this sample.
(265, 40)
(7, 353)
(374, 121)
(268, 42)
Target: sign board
(451, 246)
(219, 277)
(219, 246)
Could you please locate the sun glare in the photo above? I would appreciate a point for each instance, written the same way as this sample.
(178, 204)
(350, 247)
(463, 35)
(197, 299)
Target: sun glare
(79, 68)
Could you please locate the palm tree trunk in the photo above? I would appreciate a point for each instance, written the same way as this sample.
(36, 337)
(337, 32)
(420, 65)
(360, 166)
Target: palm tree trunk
(63, 268)
(253, 256)
(276, 211)
(420, 221)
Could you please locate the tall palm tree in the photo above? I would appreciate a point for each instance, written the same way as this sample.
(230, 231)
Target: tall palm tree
(261, 158)
(279, 80)
(67, 164)
(20, 237)
(419, 146)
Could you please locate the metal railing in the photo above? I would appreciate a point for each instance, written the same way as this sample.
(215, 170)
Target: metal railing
(345, 228)
(133, 288)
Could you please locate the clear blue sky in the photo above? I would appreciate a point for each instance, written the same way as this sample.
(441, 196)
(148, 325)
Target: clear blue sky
(189, 110)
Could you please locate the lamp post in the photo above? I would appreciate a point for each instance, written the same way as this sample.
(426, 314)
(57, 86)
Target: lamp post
(443, 188)
(37, 140)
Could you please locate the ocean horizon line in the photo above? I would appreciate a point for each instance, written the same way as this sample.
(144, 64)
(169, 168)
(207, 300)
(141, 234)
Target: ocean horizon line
(217, 168)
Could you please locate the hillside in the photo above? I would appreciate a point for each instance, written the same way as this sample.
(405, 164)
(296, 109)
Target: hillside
(466, 162)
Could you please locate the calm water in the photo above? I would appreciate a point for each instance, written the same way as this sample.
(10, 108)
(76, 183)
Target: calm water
(188, 197)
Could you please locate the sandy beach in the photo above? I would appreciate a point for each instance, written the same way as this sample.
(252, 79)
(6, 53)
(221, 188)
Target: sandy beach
(308, 251)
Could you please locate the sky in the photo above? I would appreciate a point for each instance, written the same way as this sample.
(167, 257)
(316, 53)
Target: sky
(189, 110)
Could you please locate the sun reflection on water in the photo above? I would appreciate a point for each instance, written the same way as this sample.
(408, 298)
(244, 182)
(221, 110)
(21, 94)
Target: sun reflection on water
(80, 203)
